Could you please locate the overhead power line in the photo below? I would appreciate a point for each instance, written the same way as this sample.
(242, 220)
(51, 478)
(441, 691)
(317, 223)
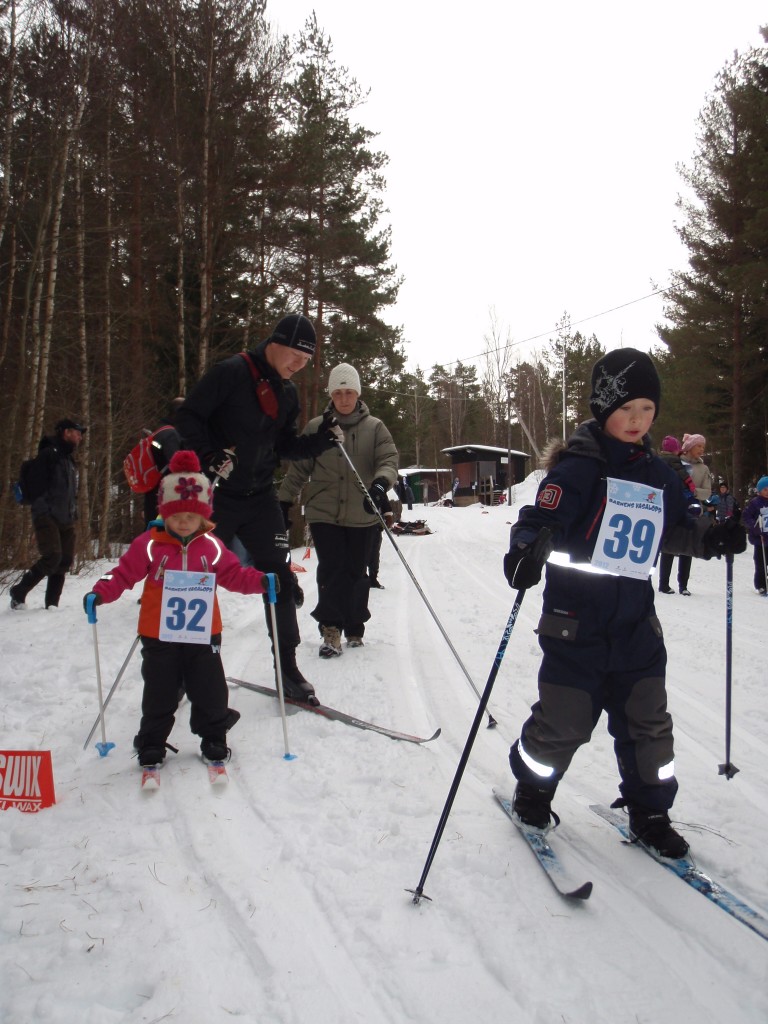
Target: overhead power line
(548, 333)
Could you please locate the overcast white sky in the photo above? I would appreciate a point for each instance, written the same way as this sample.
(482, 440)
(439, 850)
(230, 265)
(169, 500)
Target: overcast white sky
(532, 154)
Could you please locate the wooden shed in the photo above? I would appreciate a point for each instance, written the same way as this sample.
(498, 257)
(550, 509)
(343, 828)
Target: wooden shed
(427, 484)
(481, 472)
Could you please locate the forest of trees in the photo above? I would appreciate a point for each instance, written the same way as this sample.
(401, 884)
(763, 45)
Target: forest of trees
(176, 176)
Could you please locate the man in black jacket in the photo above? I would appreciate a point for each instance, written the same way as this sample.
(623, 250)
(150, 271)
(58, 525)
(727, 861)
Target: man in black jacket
(54, 512)
(241, 419)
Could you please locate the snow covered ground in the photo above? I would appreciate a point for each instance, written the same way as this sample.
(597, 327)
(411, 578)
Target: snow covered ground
(280, 899)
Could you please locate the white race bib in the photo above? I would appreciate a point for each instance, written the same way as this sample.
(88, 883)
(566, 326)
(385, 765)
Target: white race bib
(764, 519)
(186, 611)
(630, 532)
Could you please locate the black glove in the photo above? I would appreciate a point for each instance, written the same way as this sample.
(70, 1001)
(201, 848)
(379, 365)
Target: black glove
(378, 492)
(97, 599)
(328, 434)
(726, 538)
(285, 508)
(220, 463)
(523, 563)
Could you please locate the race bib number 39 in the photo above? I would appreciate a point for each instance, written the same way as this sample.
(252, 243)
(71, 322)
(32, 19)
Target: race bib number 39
(186, 612)
(630, 532)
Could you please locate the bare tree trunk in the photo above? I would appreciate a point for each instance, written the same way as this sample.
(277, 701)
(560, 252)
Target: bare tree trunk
(181, 357)
(5, 192)
(53, 261)
(84, 503)
(108, 440)
(737, 411)
(206, 217)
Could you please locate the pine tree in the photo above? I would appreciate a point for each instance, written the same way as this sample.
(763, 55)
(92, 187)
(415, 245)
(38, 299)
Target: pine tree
(718, 306)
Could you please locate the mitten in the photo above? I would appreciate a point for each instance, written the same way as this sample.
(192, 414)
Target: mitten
(726, 538)
(524, 563)
(97, 599)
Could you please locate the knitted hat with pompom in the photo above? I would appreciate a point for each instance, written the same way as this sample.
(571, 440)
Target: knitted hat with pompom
(185, 488)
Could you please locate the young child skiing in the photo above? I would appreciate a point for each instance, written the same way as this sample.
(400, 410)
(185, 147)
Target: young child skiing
(191, 664)
(756, 522)
(603, 508)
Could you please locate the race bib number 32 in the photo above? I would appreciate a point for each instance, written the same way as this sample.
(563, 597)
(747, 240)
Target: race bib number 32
(186, 612)
(630, 532)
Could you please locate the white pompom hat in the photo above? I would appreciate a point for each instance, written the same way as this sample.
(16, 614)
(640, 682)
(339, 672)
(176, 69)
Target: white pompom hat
(344, 376)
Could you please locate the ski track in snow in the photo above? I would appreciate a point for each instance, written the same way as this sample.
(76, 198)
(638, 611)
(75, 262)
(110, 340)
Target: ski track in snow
(281, 897)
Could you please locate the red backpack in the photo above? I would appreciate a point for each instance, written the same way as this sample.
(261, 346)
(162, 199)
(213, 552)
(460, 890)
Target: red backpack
(139, 464)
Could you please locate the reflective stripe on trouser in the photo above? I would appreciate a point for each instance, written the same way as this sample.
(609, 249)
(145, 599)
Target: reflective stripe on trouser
(592, 679)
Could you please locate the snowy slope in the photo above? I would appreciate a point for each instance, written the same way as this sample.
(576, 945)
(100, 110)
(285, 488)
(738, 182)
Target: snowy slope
(281, 899)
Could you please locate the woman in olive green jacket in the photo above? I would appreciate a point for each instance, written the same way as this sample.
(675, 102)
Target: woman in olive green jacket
(343, 523)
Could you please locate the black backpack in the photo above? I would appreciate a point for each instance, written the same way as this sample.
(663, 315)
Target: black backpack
(31, 483)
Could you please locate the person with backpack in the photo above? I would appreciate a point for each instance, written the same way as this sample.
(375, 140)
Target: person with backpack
(241, 419)
(164, 445)
(50, 486)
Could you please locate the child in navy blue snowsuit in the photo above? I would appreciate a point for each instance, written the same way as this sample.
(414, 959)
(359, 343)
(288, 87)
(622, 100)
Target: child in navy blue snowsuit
(606, 501)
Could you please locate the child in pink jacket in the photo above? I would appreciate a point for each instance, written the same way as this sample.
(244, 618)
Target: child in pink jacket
(183, 606)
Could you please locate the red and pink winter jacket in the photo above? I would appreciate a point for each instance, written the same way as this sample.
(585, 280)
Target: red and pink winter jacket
(153, 552)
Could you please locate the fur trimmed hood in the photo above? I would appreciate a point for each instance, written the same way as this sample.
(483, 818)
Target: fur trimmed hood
(583, 441)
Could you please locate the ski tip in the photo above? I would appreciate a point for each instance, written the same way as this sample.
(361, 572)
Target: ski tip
(434, 735)
(582, 893)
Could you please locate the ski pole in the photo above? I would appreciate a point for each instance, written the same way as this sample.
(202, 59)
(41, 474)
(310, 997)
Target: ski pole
(272, 599)
(103, 747)
(728, 769)
(491, 720)
(418, 893)
(114, 686)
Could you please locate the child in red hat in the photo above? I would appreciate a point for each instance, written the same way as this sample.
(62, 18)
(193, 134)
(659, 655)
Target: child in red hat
(181, 564)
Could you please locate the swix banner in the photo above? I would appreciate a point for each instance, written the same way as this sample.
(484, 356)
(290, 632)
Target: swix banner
(26, 780)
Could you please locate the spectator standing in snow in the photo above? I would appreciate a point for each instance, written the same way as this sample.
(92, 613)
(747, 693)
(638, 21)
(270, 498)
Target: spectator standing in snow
(344, 525)
(692, 453)
(756, 521)
(670, 454)
(405, 492)
(54, 513)
(723, 502)
(607, 503)
(241, 419)
(184, 542)
(374, 558)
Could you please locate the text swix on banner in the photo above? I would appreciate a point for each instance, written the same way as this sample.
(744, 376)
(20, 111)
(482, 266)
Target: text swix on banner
(26, 780)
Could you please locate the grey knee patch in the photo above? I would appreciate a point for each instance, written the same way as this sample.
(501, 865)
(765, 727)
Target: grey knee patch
(649, 725)
(560, 723)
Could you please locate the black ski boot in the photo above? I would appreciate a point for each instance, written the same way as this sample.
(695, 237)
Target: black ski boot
(297, 687)
(653, 830)
(533, 806)
(214, 748)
